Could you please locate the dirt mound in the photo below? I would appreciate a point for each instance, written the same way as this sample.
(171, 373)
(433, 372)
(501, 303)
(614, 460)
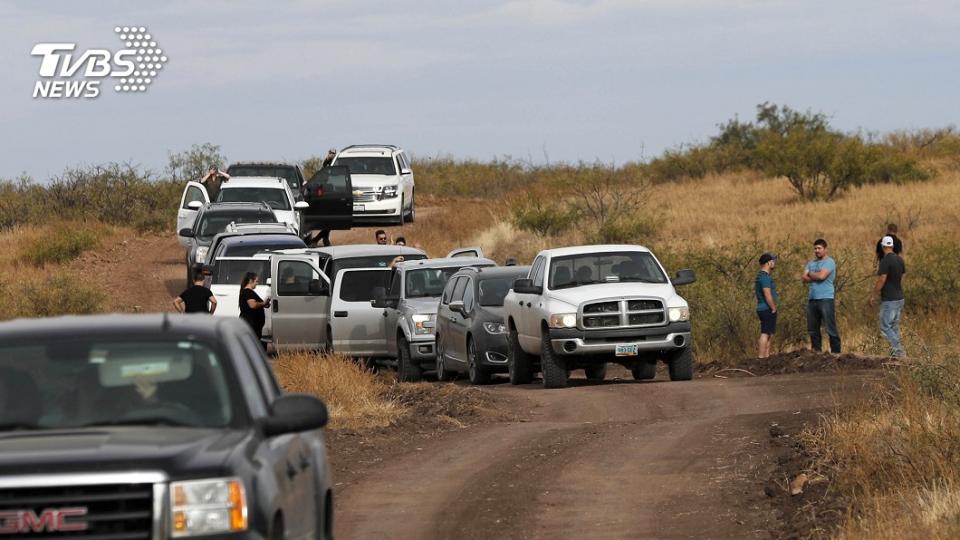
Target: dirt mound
(439, 406)
(805, 361)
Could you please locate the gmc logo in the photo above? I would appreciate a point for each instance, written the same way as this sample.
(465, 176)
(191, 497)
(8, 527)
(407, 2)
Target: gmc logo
(48, 520)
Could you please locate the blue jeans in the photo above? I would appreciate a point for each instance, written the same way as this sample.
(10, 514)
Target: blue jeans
(823, 312)
(890, 324)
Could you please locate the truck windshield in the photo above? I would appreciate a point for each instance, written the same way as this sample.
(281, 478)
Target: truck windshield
(590, 268)
(86, 382)
(276, 198)
(428, 282)
(368, 165)
(372, 261)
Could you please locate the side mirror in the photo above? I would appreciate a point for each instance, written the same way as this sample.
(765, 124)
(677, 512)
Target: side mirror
(301, 205)
(268, 282)
(684, 277)
(194, 205)
(405, 171)
(291, 413)
(186, 233)
(318, 287)
(525, 286)
(379, 298)
(457, 306)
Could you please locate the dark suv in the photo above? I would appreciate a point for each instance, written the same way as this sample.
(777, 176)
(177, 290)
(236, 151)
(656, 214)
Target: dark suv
(212, 220)
(154, 426)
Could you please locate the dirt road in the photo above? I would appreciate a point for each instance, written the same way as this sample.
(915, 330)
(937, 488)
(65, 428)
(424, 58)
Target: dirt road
(616, 460)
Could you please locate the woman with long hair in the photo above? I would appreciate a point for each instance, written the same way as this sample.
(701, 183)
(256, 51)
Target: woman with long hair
(252, 307)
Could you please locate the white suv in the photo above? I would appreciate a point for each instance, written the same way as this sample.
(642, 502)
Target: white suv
(383, 187)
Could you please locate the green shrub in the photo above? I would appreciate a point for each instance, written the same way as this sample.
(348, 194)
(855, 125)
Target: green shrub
(541, 214)
(192, 164)
(59, 294)
(61, 247)
(932, 282)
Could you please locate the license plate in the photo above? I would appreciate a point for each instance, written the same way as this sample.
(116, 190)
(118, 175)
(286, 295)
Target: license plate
(627, 350)
(358, 208)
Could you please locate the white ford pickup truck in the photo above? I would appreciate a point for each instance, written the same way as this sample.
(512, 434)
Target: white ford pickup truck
(582, 307)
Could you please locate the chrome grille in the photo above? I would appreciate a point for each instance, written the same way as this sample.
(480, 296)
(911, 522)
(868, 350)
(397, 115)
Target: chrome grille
(362, 195)
(109, 511)
(623, 313)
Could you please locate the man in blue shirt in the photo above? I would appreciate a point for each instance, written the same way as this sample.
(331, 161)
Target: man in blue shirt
(766, 291)
(821, 309)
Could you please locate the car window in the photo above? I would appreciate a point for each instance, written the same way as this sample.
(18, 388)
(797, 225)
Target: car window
(287, 173)
(174, 381)
(538, 271)
(298, 278)
(231, 272)
(428, 282)
(275, 198)
(358, 285)
(328, 180)
(394, 290)
(194, 193)
(468, 296)
(494, 290)
(212, 224)
(246, 250)
(458, 290)
(368, 165)
(589, 268)
(448, 291)
(373, 261)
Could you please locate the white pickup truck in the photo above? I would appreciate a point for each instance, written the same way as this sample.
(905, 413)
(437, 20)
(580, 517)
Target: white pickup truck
(582, 307)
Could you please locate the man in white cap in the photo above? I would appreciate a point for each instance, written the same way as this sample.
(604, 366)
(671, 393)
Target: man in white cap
(888, 288)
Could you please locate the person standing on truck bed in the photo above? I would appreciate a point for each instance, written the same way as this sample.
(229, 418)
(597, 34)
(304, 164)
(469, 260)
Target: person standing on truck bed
(252, 307)
(821, 307)
(212, 181)
(766, 291)
(198, 298)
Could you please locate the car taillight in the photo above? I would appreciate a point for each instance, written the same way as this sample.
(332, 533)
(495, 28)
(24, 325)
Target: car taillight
(319, 191)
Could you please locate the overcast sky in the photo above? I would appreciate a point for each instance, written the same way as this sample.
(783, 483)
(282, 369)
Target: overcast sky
(610, 80)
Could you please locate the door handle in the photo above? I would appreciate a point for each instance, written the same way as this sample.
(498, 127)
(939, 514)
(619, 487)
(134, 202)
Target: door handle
(384, 313)
(453, 319)
(291, 471)
(276, 306)
(339, 313)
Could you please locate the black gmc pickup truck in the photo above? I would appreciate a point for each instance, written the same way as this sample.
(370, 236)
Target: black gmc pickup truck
(154, 426)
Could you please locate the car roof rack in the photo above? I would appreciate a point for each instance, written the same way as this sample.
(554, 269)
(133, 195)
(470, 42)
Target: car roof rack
(391, 146)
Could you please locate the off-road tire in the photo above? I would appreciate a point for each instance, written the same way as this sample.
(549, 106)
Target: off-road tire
(596, 373)
(442, 373)
(681, 365)
(412, 214)
(477, 373)
(519, 363)
(401, 219)
(406, 370)
(644, 370)
(555, 373)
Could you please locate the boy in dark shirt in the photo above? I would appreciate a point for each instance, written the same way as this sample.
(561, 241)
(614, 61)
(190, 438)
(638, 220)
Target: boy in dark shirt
(197, 298)
(766, 292)
(897, 244)
(890, 291)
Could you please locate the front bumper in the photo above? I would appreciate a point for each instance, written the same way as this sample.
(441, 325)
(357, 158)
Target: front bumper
(423, 352)
(374, 209)
(575, 342)
(492, 350)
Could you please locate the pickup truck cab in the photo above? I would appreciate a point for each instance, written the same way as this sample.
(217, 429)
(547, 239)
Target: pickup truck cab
(154, 426)
(582, 307)
(409, 307)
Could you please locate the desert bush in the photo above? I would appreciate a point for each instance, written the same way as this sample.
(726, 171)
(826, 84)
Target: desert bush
(192, 164)
(541, 213)
(59, 294)
(311, 165)
(932, 283)
(447, 177)
(63, 246)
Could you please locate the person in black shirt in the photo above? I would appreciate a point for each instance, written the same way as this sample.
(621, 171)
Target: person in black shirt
(889, 289)
(198, 298)
(897, 244)
(252, 307)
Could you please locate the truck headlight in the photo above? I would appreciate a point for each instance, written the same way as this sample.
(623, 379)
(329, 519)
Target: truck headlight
(389, 192)
(678, 314)
(563, 320)
(495, 327)
(202, 254)
(423, 325)
(200, 507)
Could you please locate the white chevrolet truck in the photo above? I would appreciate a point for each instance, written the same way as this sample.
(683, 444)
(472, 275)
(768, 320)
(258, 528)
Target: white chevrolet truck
(583, 307)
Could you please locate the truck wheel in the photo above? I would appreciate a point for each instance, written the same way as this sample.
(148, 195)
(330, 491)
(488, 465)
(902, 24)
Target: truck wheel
(597, 372)
(644, 370)
(412, 215)
(442, 373)
(554, 372)
(406, 371)
(681, 365)
(519, 363)
(478, 375)
(400, 218)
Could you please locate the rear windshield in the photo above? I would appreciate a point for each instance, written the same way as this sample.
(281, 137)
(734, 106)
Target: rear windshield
(104, 381)
(358, 286)
(493, 290)
(287, 173)
(231, 271)
(369, 165)
(375, 261)
(246, 250)
(276, 198)
(212, 224)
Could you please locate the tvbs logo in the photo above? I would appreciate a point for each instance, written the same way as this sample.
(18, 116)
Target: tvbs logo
(66, 72)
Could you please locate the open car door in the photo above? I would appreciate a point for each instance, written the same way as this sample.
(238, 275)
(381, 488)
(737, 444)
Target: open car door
(301, 302)
(359, 329)
(192, 194)
(330, 196)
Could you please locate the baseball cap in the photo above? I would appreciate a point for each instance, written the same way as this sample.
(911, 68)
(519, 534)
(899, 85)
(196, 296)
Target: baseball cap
(887, 241)
(767, 257)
